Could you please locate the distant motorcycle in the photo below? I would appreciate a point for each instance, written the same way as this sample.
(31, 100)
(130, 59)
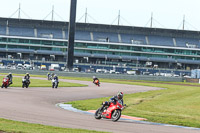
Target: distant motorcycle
(5, 82)
(113, 111)
(54, 83)
(25, 83)
(96, 82)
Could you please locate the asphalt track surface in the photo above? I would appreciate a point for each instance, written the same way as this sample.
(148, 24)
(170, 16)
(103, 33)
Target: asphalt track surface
(37, 105)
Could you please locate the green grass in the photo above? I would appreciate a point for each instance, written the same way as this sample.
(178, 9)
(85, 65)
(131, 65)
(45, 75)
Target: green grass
(178, 105)
(17, 82)
(22, 127)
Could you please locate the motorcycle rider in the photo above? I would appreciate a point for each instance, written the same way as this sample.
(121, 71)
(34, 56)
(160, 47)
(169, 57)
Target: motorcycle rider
(27, 76)
(51, 76)
(9, 76)
(114, 99)
(26, 80)
(94, 79)
(48, 76)
(55, 78)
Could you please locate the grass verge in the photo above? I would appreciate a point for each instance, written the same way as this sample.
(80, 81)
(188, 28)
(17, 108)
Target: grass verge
(178, 104)
(23, 127)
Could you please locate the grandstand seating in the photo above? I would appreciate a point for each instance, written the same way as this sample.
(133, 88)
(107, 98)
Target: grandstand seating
(2, 30)
(21, 31)
(56, 33)
(49, 33)
(160, 40)
(105, 37)
(181, 42)
(133, 38)
(82, 35)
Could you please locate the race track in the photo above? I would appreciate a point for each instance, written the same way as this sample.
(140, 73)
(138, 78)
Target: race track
(37, 105)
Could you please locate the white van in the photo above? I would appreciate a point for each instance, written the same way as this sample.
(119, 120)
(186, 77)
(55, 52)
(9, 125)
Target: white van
(55, 67)
(101, 71)
(131, 72)
(28, 67)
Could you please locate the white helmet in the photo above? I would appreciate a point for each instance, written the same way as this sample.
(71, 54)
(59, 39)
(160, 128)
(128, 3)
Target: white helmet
(120, 95)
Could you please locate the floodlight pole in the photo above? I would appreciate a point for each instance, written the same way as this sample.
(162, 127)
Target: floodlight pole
(19, 11)
(183, 22)
(86, 15)
(52, 13)
(151, 24)
(71, 33)
(118, 18)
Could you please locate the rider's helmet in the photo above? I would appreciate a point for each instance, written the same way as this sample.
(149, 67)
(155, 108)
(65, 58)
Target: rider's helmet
(9, 74)
(93, 77)
(27, 74)
(55, 75)
(120, 95)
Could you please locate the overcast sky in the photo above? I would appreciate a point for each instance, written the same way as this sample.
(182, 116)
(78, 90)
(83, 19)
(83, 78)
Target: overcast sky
(166, 13)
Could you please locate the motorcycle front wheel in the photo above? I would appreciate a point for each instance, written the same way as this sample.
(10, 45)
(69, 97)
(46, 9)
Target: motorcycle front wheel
(97, 114)
(116, 115)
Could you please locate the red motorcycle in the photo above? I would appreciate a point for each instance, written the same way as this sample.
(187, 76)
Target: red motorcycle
(113, 111)
(96, 82)
(5, 82)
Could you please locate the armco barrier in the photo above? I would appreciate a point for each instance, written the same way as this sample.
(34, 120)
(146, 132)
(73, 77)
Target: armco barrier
(99, 75)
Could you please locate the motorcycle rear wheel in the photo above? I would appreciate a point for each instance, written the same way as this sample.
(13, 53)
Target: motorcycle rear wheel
(116, 115)
(97, 114)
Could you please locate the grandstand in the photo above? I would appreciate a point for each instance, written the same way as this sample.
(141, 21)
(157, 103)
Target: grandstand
(42, 41)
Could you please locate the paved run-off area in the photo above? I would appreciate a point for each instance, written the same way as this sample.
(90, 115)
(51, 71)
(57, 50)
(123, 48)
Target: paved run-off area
(38, 105)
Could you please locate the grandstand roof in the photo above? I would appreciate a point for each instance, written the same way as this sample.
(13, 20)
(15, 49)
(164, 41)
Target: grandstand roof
(99, 27)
